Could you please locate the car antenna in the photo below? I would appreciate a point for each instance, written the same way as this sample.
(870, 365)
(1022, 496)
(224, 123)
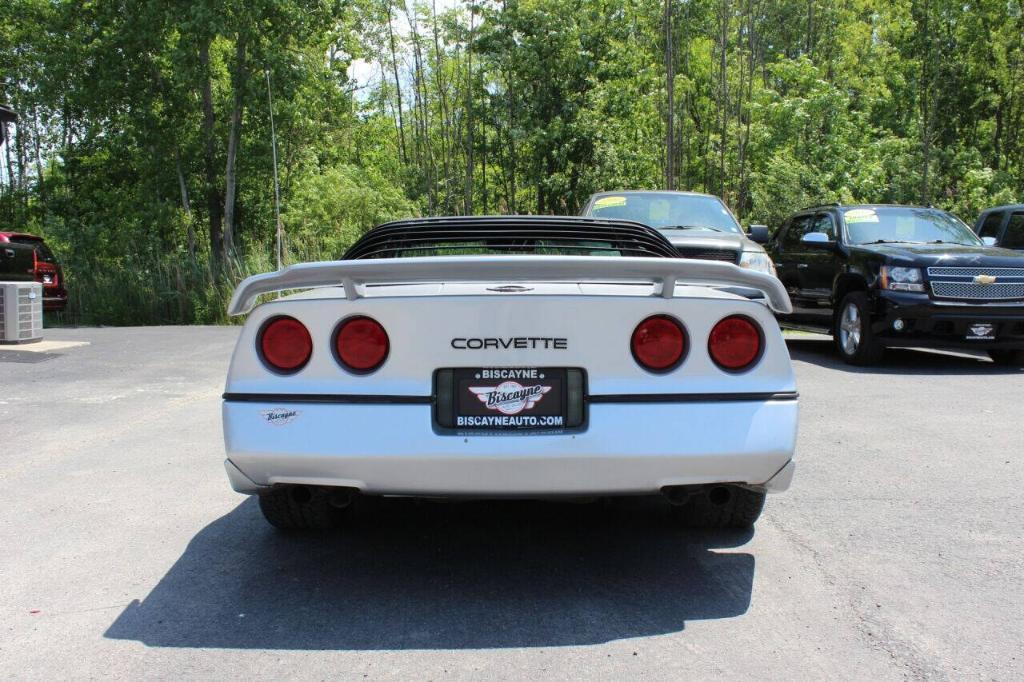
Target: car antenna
(277, 188)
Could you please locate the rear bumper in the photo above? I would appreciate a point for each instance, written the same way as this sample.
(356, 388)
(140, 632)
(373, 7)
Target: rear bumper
(625, 449)
(55, 299)
(936, 324)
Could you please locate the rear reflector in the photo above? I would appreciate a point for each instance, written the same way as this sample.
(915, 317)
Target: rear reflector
(360, 344)
(285, 345)
(659, 343)
(735, 343)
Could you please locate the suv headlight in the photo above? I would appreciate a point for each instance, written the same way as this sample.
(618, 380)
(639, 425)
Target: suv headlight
(757, 260)
(902, 279)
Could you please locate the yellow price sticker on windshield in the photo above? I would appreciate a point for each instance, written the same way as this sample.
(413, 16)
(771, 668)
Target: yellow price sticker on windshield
(608, 202)
(860, 215)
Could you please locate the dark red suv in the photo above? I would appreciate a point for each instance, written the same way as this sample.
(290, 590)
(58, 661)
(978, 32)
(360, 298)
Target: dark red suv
(45, 268)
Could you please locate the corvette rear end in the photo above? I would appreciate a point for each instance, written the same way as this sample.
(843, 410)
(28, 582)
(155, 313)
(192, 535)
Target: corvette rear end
(518, 369)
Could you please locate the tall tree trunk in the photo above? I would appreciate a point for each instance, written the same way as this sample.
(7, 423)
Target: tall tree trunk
(230, 172)
(997, 141)
(744, 115)
(687, 103)
(510, 165)
(809, 44)
(442, 98)
(398, 87)
(926, 124)
(468, 186)
(11, 180)
(22, 155)
(213, 206)
(483, 168)
(186, 205)
(670, 77)
(424, 144)
(39, 157)
(723, 104)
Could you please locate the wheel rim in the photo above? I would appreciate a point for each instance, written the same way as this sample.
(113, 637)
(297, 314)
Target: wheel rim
(850, 329)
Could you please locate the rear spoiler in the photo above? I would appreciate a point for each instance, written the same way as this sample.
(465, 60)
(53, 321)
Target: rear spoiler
(665, 272)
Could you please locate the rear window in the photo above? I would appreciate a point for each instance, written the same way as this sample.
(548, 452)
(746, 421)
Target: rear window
(43, 252)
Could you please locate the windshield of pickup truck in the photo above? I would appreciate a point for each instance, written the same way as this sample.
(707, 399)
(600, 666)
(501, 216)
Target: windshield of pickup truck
(906, 225)
(667, 211)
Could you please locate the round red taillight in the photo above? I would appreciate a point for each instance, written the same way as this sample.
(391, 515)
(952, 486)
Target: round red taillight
(361, 344)
(658, 343)
(735, 343)
(285, 344)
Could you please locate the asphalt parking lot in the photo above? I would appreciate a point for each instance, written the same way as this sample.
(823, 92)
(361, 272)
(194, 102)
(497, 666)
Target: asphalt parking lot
(899, 552)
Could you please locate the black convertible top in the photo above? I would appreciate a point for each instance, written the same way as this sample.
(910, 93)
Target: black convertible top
(534, 235)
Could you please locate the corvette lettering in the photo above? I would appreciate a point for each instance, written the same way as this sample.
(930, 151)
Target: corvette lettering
(510, 397)
(516, 342)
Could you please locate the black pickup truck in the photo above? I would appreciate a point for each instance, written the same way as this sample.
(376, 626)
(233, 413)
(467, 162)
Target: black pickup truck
(877, 276)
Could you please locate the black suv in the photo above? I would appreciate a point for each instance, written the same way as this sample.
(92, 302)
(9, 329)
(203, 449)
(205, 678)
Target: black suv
(885, 276)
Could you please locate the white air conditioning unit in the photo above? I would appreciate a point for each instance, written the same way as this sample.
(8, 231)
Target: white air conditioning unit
(21, 312)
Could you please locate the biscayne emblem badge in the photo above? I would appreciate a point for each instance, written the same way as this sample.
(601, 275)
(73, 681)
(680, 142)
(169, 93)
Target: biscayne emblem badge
(510, 397)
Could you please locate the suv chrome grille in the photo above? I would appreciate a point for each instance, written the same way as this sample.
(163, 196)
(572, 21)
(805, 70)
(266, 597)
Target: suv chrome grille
(958, 282)
(974, 272)
(727, 255)
(990, 292)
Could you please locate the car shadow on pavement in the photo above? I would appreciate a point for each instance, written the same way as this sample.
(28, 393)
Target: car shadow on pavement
(822, 352)
(419, 575)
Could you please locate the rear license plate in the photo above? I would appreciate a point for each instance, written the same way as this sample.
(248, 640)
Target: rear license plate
(981, 331)
(510, 398)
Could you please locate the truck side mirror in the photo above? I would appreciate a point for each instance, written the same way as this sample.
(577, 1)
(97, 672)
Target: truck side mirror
(759, 234)
(817, 240)
(988, 241)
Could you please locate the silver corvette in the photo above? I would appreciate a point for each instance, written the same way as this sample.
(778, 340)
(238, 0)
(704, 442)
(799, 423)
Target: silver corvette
(511, 357)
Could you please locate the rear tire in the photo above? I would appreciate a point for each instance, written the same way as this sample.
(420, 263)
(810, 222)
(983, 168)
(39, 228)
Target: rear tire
(300, 508)
(851, 330)
(1007, 358)
(722, 506)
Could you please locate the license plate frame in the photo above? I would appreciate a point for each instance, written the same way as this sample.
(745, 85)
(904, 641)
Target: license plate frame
(510, 399)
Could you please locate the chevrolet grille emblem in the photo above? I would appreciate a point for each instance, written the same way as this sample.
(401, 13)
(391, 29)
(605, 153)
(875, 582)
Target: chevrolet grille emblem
(984, 279)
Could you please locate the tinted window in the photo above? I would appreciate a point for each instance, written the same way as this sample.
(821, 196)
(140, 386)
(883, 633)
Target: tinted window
(43, 252)
(990, 228)
(823, 223)
(797, 229)
(1013, 238)
(666, 210)
(907, 225)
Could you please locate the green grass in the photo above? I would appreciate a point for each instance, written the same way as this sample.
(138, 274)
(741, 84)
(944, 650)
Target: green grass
(153, 291)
